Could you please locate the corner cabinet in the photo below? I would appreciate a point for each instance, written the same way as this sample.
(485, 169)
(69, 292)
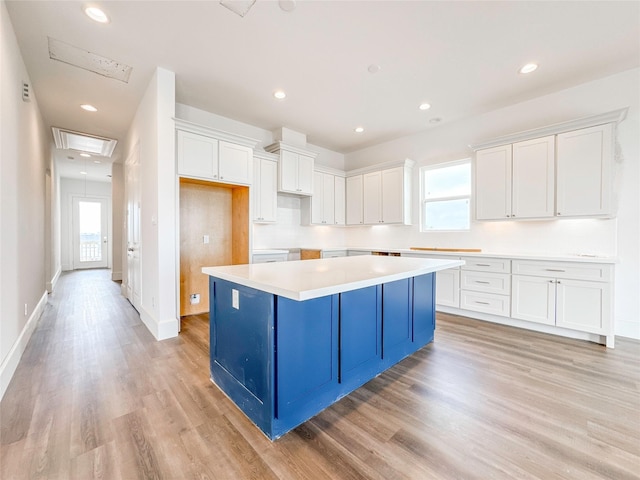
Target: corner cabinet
(265, 188)
(208, 154)
(295, 172)
(327, 204)
(386, 196)
(563, 170)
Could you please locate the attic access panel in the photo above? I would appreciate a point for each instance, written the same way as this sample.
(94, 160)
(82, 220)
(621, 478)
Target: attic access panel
(83, 142)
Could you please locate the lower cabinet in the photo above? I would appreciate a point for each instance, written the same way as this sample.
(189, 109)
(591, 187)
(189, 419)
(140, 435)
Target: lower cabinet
(485, 285)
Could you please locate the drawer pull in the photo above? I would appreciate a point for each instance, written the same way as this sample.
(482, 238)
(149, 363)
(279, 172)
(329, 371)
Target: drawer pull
(554, 270)
(482, 303)
(482, 265)
(483, 282)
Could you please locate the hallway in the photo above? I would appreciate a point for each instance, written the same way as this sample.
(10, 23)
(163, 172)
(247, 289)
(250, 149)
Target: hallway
(96, 396)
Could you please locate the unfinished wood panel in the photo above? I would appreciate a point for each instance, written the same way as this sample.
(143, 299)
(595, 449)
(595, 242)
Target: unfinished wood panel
(205, 209)
(240, 225)
(309, 254)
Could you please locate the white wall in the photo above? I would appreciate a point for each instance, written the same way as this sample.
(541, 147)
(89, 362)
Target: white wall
(70, 188)
(25, 156)
(117, 219)
(614, 237)
(153, 130)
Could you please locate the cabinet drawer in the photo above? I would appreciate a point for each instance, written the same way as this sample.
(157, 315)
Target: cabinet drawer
(269, 257)
(578, 271)
(333, 253)
(485, 302)
(497, 265)
(485, 282)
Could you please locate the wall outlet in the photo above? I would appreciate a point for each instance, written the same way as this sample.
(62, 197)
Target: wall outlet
(194, 298)
(235, 299)
(205, 239)
(25, 310)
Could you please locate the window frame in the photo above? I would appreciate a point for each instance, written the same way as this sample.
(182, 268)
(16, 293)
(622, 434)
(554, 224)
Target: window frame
(424, 201)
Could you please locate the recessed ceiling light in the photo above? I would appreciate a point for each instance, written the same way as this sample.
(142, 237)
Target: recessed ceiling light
(424, 106)
(83, 173)
(86, 155)
(97, 161)
(287, 5)
(88, 108)
(279, 94)
(359, 129)
(95, 14)
(373, 68)
(529, 67)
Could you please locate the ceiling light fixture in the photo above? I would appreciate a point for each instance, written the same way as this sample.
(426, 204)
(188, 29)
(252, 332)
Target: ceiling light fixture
(279, 94)
(96, 14)
(88, 108)
(287, 5)
(83, 173)
(373, 68)
(359, 129)
(424, 106)
(529, 67)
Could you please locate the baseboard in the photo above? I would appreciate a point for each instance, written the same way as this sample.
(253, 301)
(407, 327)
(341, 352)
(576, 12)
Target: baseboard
(66, 267)
(161, 330)
(116, 276)
(52, 284)
(10, 364)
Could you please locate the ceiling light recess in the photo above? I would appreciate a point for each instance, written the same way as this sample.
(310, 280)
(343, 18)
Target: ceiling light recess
(96, 14)
(83, 142)
(279, 94)
(528, 68)
(359, 129)
(88, 108)
(424, 106)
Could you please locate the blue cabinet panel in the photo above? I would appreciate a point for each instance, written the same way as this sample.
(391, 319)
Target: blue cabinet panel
(360, 333)
(397, 319)
(306, 348)
(424, 308)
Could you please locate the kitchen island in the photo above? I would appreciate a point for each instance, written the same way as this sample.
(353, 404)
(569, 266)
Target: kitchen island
(289, 339)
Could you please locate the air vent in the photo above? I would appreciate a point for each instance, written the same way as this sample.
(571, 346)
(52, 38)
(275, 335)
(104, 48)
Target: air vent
(83, 142)
(26, 92)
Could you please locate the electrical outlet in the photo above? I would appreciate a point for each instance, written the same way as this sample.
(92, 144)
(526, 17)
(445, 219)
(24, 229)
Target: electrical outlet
(205, 239)
(235, 299)
(194, 298)
(25, 309)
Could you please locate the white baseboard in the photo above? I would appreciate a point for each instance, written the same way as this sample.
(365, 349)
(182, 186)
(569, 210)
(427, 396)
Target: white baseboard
(116, 276)
(66, 267)
(9, 365)
(52, 284)
(163, 329)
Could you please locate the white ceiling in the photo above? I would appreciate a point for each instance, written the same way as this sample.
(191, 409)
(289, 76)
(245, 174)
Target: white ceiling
(461, 57)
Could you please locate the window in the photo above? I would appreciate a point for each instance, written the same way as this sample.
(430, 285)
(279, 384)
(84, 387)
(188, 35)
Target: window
(446, 193)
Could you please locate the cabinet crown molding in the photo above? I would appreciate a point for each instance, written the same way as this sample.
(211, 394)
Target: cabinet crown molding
(614, 116)
(408, 163)
(265, 155)
(215, 133)
(277, 146)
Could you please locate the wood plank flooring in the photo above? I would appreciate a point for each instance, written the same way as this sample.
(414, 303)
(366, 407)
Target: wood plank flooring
(96, 397)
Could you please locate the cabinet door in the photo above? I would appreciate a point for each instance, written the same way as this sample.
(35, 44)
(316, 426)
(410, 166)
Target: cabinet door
(584, 306)
(265, 187)
(393, 195)
(372, 198)
(447, 287)
(354, 207)
(533, 299)
(533, 178)
(493, 183)
(288, 172)
(197, 156)
(317, 201)
(305, 175)
(328, 199)
(339, 197)
(236, 163)
(584, 171)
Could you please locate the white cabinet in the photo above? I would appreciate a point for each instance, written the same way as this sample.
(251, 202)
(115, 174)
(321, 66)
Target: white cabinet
(269, 256)
(265, 190)
(574, 296)
(584, 172)
(327, 204)
(448, 287)
(516, 181)
(340, 199)
(485, 285)
(386, 196)
(295, 172)
(354, 207)
(201, 156)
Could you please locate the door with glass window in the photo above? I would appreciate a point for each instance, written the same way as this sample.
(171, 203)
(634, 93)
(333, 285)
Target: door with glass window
(90, 232)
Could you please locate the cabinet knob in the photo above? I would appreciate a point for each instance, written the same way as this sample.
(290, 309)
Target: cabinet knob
(508, 216)
(558, 213)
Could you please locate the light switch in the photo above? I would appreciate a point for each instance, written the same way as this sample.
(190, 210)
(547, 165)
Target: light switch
(235, 299)
(205, 239)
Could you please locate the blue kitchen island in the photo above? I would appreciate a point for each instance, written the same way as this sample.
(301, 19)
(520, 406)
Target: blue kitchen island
(289, 339)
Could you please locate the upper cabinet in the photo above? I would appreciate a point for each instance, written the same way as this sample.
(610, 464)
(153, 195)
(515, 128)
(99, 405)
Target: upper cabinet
(584, 172)
(566, 173)
(295, 173)
(213, 155)
(265, 188)
(516, 181)
(386, 196)
(354, 200)
(326, 206)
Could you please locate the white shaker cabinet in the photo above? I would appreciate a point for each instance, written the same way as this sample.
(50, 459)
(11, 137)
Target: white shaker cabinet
(340, 200)
(235, 163)
(584, 172)
(354, 200)
(296, 173)
(265, 190)
(323, 200)
(372, 198)
(493, 183)
(197, 155)
(386, 196)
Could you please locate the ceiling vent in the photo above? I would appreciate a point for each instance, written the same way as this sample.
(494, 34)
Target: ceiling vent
(26, 92)
(83, 142)
(66, 53)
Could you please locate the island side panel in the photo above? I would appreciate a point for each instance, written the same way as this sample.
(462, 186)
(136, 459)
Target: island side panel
(397, 321)
(424, 309)
(242, 357)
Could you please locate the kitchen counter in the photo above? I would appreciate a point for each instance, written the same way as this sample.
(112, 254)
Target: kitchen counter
(307, 279)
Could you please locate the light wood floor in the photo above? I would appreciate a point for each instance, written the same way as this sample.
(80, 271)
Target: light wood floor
(95, 396)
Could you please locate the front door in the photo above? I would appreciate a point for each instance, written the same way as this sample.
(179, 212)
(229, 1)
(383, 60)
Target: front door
(90, 232)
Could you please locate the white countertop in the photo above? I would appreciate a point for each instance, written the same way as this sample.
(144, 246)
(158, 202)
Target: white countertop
(307, 279)
(265, 251)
